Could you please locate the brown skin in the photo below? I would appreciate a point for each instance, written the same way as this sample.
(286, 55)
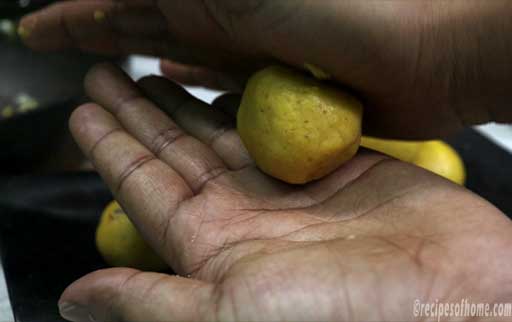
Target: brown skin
(361, 244)
(424, 68)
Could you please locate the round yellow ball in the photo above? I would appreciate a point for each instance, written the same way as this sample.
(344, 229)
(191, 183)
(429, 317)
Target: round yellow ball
(295, 127)
(120, 244)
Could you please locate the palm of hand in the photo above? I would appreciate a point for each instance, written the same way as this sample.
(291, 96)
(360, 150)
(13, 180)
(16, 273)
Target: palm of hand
(333, 250)
(257, 249)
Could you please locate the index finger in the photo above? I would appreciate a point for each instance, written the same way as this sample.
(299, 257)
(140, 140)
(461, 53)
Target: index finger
(96, 25)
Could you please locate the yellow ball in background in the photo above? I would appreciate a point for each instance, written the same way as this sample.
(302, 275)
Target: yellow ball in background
(120, 244)
(435, 156)
(441, 159)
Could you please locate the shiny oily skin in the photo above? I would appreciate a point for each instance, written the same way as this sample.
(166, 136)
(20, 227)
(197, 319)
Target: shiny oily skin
(295, 127)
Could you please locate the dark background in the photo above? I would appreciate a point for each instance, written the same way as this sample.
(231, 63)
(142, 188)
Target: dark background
(47, 221)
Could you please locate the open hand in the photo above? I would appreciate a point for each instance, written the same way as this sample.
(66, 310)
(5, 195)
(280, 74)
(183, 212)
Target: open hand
(361, 244)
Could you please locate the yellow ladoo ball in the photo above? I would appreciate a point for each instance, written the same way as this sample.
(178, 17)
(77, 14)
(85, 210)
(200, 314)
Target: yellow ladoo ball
(120, 244)
(442, 159)
(295, 127)
(435, 156)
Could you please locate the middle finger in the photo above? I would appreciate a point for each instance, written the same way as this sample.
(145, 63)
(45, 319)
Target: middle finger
(210, 125)
(116, 92)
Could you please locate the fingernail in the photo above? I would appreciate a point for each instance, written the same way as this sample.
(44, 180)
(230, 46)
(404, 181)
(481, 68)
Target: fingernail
(26, 26)
(23, 32)
(75, 313)
(99, 15)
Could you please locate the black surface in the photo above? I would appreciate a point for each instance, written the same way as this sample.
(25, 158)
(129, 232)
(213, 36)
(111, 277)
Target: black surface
(47, 224)
(47, 238)
(489, 168)
(14, 8)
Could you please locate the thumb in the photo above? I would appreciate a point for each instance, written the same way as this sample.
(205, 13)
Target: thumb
(123, 294)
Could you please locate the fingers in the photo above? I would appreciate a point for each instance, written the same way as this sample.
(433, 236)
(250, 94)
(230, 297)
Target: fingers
(122, 294)
(149, 190)
(149, 161)
(109, 27)
(193, 160)
(211, 126)
(124, 27)
(199, 76)
(183, 31)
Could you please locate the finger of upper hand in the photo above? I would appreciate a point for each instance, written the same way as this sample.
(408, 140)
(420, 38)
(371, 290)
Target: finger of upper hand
(108, 27)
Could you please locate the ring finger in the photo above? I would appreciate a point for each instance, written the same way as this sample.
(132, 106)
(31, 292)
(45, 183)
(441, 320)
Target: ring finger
(194, 161)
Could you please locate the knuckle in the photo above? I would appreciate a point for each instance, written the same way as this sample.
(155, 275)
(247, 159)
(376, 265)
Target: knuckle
(218, 131)
(131, 168)
(165, 139)
(226, 13)
(124, 103)
(206, 176)
(101, 140)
